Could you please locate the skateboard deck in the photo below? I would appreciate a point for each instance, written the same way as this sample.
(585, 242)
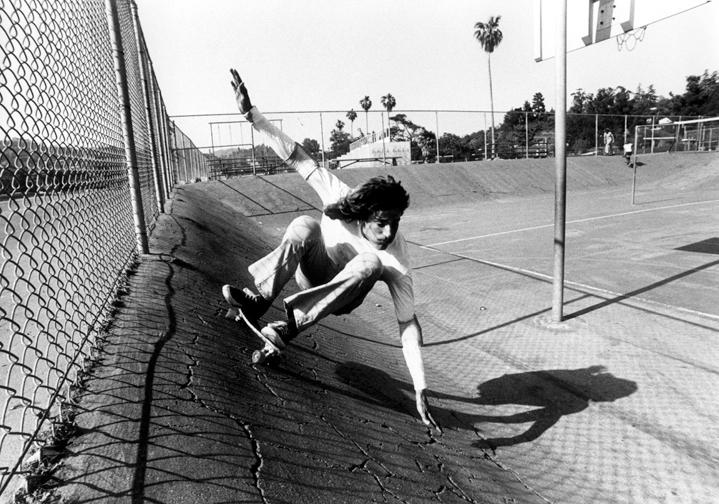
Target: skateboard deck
(269, 352)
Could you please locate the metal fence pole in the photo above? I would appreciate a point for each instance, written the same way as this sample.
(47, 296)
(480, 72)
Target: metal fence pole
(384, 152)
(626, 131)
(485, 135)
(634, 162)
(526, 135)
(322, 139)
(142, 59)
(596, 134)
(651, 147)
(174, 172)
(160, 138)
(254, 160)
(133, 176)
(436, 125)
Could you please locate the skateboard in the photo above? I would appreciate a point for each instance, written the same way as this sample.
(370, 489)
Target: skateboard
(269, 353)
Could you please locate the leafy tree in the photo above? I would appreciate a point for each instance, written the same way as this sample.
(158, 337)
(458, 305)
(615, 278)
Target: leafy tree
(351, 116)
(489, 36)
(312, 146)
(700, 98)
(421, 140)
(339, 140)
(539, 111)
(366, 104)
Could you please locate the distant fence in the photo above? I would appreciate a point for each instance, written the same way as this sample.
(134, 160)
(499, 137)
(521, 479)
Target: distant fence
(88, 158)
(434, 135)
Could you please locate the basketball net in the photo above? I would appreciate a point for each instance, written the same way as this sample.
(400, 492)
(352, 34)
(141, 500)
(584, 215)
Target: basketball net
(630, 39)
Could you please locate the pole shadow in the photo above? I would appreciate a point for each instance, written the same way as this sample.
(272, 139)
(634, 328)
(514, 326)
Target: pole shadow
(554, 393)
(642, 290)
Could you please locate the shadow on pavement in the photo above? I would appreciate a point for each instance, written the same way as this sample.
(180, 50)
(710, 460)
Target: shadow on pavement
(555, 393)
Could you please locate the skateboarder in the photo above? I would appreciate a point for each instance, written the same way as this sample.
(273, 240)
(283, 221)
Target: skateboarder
(335, 261)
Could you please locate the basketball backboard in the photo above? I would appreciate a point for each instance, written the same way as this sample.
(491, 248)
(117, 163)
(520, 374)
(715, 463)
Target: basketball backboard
(592, 21)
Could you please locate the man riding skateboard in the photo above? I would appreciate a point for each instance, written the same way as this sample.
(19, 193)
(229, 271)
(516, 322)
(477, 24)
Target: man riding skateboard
(335, 261)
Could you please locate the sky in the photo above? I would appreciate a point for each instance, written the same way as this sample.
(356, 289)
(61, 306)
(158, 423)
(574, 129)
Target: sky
(311, 55)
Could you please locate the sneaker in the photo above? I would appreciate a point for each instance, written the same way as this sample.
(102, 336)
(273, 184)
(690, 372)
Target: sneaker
(252, 305)
(278, 333)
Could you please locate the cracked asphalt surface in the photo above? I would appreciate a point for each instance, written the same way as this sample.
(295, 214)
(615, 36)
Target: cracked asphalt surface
(616, 404)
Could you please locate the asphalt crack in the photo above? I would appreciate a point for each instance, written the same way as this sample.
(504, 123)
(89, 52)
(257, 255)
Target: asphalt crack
(258, 462)
(367, 461)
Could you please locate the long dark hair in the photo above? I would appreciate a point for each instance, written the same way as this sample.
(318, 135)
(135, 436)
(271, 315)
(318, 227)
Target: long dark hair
(378, 193)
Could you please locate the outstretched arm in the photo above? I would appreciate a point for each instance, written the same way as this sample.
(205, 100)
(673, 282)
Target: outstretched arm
(287, 149)
(411, 334)
(327, 186)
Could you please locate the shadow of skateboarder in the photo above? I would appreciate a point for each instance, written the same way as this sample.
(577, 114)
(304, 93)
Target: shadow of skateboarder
(553, 394)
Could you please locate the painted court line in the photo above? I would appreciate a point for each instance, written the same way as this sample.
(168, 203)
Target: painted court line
(584, 288)
(576, 221)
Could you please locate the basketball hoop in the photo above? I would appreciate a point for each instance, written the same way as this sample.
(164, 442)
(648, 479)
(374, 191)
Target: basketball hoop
(630, 39)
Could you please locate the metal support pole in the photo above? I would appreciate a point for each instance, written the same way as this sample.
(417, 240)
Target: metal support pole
(254, 159)
(560, 146)
(596, 134)
(142, 60)
(634, 162)
(165, 122)
(162, 165)
(183, 151)
(651, 148)
(133, 175)
(436, 138)
(322, 139)
(384, 152)
(485, 135)
(626, 131)
(526, 135)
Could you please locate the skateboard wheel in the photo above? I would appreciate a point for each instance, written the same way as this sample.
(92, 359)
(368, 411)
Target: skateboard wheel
(258, 357)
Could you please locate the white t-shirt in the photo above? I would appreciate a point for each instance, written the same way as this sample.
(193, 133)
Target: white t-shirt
(343, 240)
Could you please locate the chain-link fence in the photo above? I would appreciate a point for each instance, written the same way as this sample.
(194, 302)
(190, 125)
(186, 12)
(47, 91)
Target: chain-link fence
(87, 160)
(434, 136)
(699, 135)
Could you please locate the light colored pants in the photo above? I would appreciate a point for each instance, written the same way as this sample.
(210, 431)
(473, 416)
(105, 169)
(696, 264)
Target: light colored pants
(327, 288)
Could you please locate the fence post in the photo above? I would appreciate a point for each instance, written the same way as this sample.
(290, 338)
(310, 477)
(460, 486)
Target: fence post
(141, 59)
(596, 134)
(254, 160)
(165, 162)
(526, 135)
(634, 163)
(485, 136)
(626, 131)
(162, 162)
(384, 152)
(436, 138)
(133, 176)
(322, 139)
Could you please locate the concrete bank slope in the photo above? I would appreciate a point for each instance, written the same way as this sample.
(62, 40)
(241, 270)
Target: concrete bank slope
(175, 413)
(437, 185)
(615, 405)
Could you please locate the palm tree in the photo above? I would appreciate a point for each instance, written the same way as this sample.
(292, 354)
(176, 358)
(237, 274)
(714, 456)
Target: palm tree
(489, 36)
(366, 104)
(389, 103)
(351, 116)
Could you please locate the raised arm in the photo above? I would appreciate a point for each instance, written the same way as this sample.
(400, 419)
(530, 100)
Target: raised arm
(327, 186)
(287, 149)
